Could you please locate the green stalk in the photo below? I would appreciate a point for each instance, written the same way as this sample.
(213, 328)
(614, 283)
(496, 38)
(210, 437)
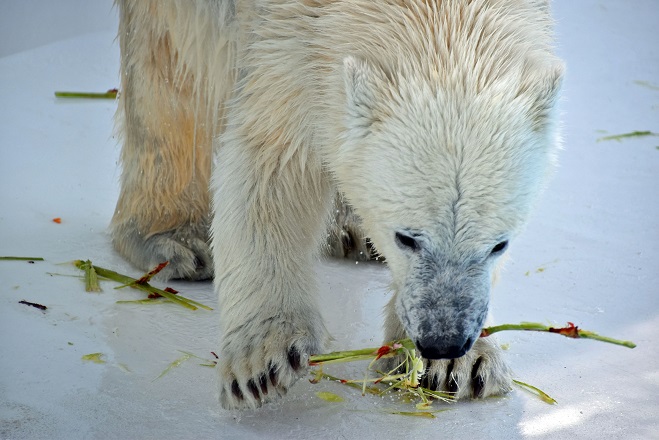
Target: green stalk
(570, 331)
(110, 94)
(21, 259)
(535, 390)
(591, 335)
(528, 326)
(370, 390)
(144, 301)
(620, 137)
(342, 356)
(175, 364)
(358, 355)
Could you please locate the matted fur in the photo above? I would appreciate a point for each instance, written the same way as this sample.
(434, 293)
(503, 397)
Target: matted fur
(434, 118)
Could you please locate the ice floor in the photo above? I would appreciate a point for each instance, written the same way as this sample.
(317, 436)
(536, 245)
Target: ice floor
(590, 255)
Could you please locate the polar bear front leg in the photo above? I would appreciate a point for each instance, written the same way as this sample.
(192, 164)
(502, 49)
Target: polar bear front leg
(269, 219)
(481, 372)
(163, 209)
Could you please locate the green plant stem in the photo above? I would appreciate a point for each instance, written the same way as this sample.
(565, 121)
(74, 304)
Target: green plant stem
(21, 259)
(569, 331)
(110, 94)
(535, 390)
(591, 335)
(365, 354)
(357, 355)
(620, 137)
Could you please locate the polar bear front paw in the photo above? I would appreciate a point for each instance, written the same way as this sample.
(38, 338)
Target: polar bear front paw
(185, 248)
(480, 373)
(256, 367)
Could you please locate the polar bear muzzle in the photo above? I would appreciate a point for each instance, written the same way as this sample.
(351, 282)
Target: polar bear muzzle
(443, 304)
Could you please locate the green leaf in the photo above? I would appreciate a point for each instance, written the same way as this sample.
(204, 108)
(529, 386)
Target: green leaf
(93, 357)
(329, 397)
(422, 414)
(21, 259)
(174, 364)
(620, 137)
(537, 391)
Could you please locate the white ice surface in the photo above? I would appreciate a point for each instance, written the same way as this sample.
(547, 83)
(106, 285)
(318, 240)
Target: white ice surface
(590, 255)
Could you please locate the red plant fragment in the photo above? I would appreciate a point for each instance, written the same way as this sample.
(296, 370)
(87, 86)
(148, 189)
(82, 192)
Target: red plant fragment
(157, 295)
(571, 331)
(57, 220)
(383, 351)
(146, 278)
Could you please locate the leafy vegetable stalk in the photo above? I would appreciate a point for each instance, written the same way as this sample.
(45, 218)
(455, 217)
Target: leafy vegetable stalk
(569, 331)
(140, 284)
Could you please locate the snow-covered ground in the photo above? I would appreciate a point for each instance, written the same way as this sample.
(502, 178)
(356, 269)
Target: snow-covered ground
(590, 255)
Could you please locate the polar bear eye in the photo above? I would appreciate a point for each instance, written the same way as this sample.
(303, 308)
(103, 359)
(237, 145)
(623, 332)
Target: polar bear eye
(499, 248)
(407, 242)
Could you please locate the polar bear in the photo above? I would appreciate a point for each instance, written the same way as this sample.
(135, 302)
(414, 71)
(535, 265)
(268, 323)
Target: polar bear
(433, 118)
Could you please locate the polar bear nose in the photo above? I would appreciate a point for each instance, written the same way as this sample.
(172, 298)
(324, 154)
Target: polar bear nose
(433, 349)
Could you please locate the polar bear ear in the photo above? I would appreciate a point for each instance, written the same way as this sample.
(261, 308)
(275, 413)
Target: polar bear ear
(546, 89)
(362, 82)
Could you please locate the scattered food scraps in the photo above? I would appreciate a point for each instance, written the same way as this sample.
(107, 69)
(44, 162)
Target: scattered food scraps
(57, 220)
(131, 282)
(646, 84)
(176, 363)
(31, 304)
(536, 391)
(329, 397)
(406, 377)
(94, 357)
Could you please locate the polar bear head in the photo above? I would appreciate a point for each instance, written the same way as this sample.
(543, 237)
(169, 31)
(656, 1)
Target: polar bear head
(443, 168)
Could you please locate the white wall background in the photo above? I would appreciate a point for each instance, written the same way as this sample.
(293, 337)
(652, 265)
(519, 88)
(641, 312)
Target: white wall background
(24, 25)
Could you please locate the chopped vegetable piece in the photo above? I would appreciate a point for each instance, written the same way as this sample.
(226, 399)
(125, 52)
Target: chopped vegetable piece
(110, 94)
(174, 364)
(94, 357)
(537, 391)
(620, 137)
(38, 306)
(28, 259)
(131, 282)
(329, 397)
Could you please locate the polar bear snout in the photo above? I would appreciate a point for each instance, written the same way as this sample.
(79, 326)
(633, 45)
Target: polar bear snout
(443, 304)
(433, 348)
